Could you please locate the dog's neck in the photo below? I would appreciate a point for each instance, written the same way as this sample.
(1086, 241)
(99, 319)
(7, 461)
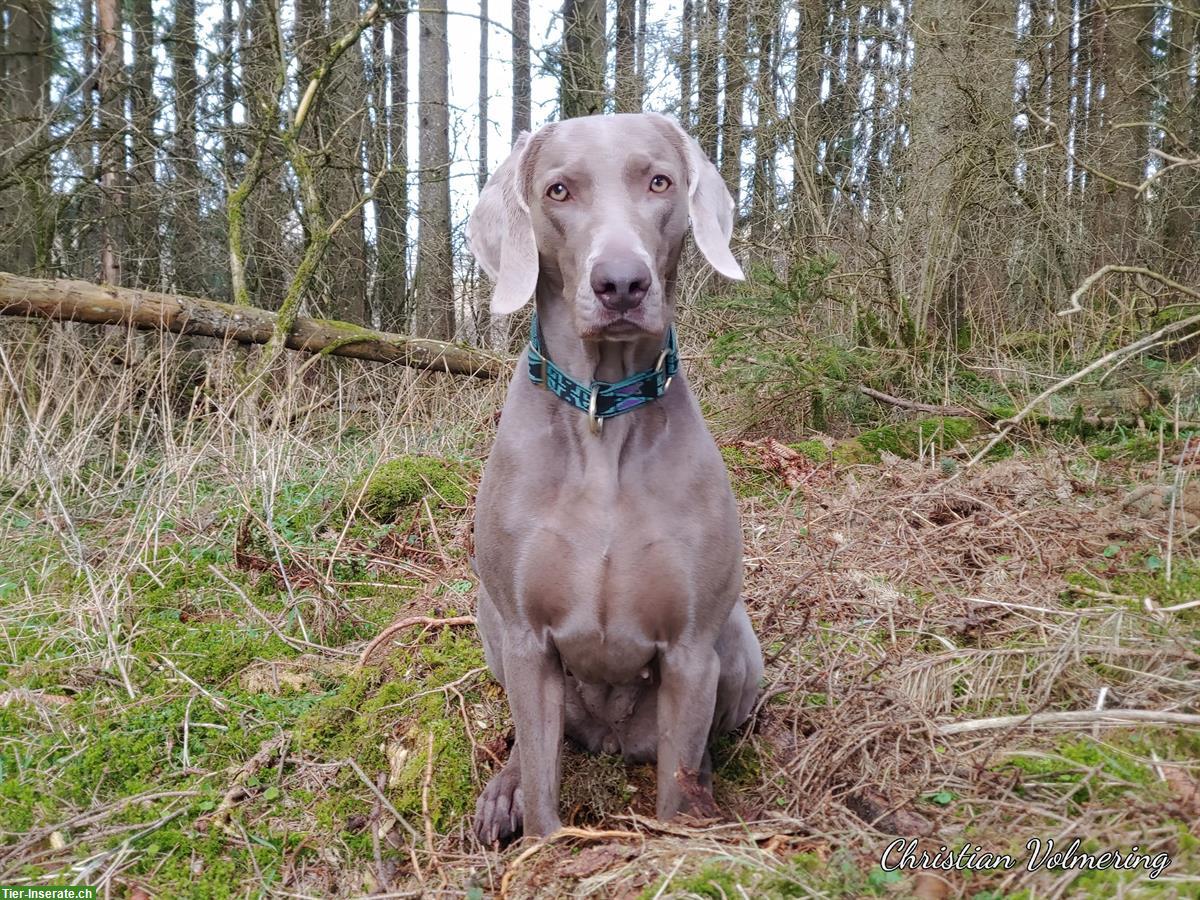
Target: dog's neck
(584, 360)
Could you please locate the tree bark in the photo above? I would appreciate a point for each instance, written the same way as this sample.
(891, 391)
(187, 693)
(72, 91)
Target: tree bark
(144, 191)
(434, 277)
(392, 205)
(935, 153)
(686, 65)
(765, 138)
(1181, 191)
(186, 232)
(708, 56)
(270, 253)
(625, 87)
(24, 110)
(643, 10)
(1119, 147)
(520, 68)
(112, 140)
(343, 271)
(81, 301)
(806, 206)
(736, 34)
(484, 123)
(581, 81)
(483, 317)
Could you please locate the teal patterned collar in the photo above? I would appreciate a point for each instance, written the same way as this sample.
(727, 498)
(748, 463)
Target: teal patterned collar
(603, 399)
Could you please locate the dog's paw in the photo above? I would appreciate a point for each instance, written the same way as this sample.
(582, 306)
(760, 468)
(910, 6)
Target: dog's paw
(498, 812)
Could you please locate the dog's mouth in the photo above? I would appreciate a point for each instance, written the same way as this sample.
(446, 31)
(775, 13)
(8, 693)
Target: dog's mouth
(622, 326)
(630, 326)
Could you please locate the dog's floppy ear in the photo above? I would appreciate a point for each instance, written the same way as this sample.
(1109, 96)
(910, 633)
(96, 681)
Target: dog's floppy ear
(500, 232)
(710, 205)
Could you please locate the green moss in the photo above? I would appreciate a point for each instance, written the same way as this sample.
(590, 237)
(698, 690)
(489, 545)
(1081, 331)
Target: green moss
(717, 881)
(813, 449)
(389, 492)
(211, 867)
(21, 801)
(370, 710)
(908, 439)
(746, 473)
(805, 875)
(905, 440)
(1077, 762)
(186, 613)
(1146, 576)
(853, 453)
(736, 761)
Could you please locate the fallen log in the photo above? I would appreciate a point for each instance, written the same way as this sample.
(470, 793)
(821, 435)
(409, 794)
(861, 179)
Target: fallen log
(82, 301)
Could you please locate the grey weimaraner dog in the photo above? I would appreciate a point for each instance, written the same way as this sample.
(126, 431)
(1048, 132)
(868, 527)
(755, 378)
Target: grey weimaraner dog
(610, 559)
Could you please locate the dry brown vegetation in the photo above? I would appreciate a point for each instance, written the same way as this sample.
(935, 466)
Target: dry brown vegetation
(189, 581)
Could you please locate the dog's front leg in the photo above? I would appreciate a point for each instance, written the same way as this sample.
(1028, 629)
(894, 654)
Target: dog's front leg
(687, 696)
(534, 686)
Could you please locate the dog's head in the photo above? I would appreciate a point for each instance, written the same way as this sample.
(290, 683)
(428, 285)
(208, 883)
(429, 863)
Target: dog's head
(598, 207)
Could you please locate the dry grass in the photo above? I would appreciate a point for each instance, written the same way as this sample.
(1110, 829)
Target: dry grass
(184, 603)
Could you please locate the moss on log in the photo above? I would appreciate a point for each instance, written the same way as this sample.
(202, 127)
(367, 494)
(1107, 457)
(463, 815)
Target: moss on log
(82, 301)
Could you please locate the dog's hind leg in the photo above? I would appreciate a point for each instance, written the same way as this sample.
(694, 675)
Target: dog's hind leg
(741, 669)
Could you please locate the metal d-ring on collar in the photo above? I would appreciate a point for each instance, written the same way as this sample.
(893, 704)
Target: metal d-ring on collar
(603, 399)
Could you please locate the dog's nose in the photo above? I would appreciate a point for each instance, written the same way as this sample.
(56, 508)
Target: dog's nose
(620, 284)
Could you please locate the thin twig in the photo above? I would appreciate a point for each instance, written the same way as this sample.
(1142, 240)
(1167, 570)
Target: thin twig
(426, 786)
(294, 643)
(388, 633)
(1072, 717)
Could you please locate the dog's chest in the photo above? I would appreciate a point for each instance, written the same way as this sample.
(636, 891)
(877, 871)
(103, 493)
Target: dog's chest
(614, 575)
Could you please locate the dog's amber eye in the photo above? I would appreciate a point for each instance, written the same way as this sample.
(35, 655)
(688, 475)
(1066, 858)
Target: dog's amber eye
(659, 183)
(558, 191)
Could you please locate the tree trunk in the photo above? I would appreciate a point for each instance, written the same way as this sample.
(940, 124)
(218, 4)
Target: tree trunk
(393, 191)
(484, 123)
(765, 137)
(112, 140)
(343, 271)
(24, 112)
(1181, 191)
(520, 68)
(836, 116)
(581, 82)
(434, 277)
(708, 55)
(187, 246)
(736, 28)
(686, 65)
(643, 9)
(228, 95)
(626, 90)
(483, 317)
(806, 207)
(933, 154)
(144, 189)
(1118, 145)
(269, 254)
(80, 301)
(377, 150)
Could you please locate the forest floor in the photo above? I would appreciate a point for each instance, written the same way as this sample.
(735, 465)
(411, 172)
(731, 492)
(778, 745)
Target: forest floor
(186, 597)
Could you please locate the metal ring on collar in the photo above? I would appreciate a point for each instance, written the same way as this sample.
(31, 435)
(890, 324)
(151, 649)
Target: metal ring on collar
(597, 423)
(658, 366)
